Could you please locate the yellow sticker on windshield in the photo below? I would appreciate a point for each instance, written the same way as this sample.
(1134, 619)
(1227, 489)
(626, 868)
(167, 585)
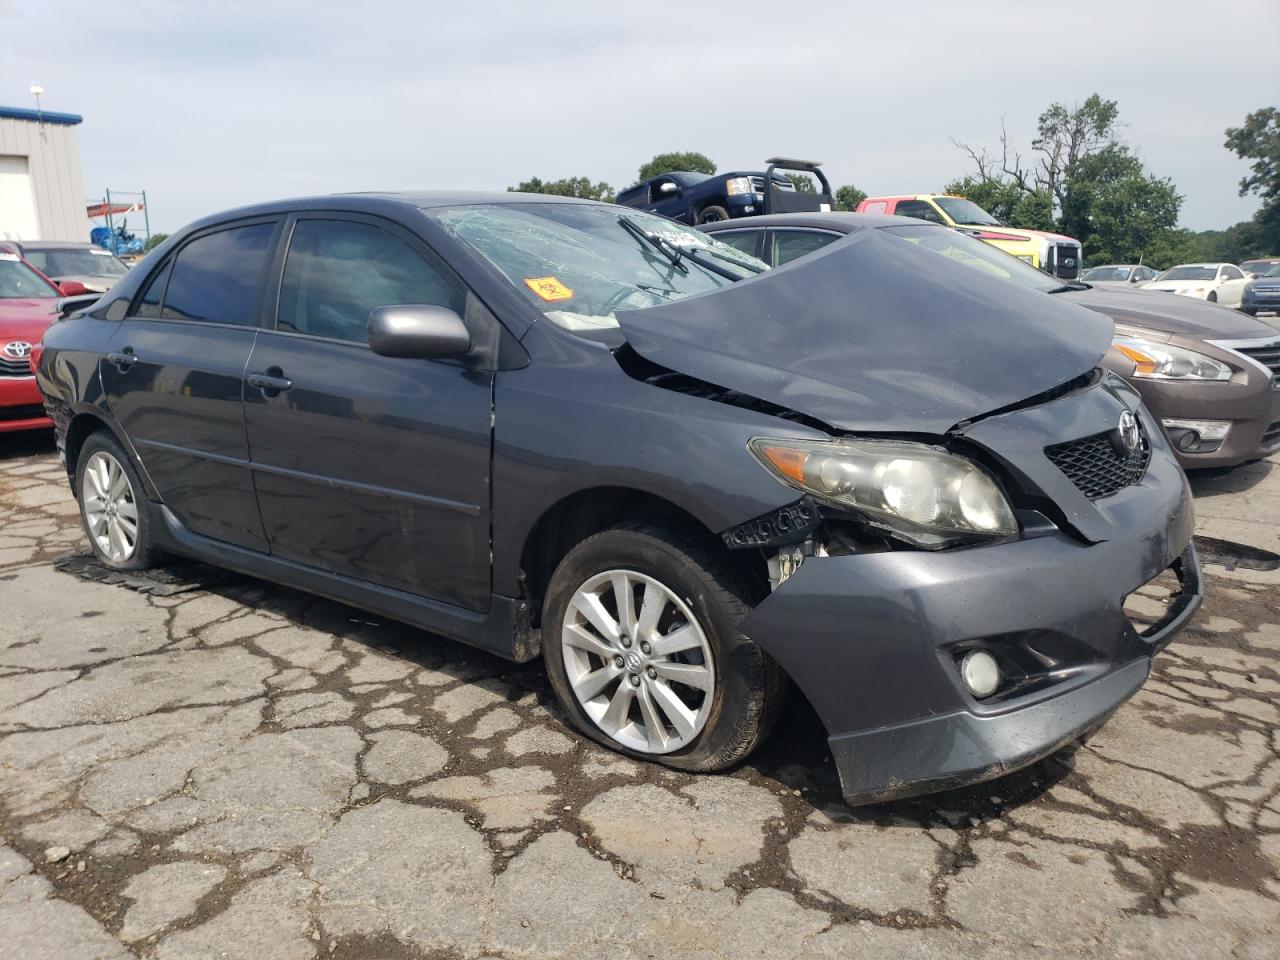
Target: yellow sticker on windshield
(549, 288)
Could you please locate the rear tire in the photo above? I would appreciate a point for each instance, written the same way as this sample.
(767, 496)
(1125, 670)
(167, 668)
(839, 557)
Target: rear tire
(680, 684)
(712, 214)
(113, 505)
(1213, 296)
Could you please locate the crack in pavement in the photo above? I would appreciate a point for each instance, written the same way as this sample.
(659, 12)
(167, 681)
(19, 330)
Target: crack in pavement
(302, 779)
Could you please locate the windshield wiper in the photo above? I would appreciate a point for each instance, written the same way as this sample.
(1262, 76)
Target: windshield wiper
(736, 262)
(672, 253)
(676, 253)
(1069, 286)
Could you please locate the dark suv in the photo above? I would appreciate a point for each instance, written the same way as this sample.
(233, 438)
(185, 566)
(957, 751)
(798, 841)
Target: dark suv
(568, 429)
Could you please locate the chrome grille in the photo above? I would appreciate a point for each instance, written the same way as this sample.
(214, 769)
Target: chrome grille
(1099, 465)
(1267, 354)
(15, 368)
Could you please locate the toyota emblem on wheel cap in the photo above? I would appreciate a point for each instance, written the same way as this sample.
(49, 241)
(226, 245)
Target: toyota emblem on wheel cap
(17, 349)
(1128, 428)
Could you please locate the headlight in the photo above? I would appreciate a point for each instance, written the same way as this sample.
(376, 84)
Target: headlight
(923, 493)
(1162, 361)
(736, 185)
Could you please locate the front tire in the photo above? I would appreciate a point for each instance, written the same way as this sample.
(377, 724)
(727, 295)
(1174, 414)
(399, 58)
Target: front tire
(712, 214)
(641, 643)
(113, 507)
(1213, 296)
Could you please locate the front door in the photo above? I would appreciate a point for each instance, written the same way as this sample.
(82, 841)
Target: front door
(369, 466)
(173, 379)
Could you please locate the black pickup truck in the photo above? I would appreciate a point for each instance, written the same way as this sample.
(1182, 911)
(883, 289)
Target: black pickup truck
(698, 198)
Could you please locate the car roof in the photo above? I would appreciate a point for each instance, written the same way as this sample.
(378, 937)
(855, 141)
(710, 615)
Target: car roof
(1220, 263)
(1121, 266)
(842, 222)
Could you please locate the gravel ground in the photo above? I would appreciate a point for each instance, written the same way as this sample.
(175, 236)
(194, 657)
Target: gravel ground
(202, 765)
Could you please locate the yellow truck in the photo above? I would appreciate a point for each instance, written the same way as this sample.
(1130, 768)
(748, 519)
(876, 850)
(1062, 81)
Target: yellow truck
(1050, 252)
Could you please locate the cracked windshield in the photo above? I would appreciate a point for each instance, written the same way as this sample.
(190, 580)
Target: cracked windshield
(580, 264)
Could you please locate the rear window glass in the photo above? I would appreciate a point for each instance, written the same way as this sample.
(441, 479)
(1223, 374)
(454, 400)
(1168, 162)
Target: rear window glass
(216, 277)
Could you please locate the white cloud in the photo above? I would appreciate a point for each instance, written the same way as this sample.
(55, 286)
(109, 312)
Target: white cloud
(213, 106)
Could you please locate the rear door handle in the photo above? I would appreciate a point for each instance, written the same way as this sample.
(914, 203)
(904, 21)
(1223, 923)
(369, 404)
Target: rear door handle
(270, 383)
(122, 360)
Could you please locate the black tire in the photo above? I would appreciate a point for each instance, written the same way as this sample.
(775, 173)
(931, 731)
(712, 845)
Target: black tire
(1251, 311)
(712, 214)
(1212, 297)
(144, 553)
(750, 686)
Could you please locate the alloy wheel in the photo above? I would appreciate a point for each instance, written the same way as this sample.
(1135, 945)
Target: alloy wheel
(110, 508)
(638, 662)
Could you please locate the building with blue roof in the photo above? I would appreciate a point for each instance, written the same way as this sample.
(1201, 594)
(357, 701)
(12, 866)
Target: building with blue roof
(41, 189)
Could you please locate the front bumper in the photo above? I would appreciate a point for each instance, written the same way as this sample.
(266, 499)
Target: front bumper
(874, 640)
(21, 405)
(1253, 410)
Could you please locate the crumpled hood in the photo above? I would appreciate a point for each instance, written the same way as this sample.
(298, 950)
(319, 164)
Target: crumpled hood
(1158, 310)
(875, 334)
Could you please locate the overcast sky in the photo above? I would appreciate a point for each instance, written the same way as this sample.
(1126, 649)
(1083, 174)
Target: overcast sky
(209, 106)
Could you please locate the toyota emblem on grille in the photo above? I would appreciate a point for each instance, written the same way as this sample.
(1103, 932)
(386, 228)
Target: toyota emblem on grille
(1069, 262)
(17, 350)
(1128, 428)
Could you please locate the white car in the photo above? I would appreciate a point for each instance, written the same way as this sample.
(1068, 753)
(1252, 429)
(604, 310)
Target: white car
(1216, 282)
(1113, 274)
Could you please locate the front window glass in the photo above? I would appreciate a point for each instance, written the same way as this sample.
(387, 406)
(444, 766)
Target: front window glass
(1105, 273)
(338, 272)
(966, 212)
(1273, 272)
(578, 264)
(216, 277)
(976, 254)
(18, 281)
(1189, 273)
(73, 262)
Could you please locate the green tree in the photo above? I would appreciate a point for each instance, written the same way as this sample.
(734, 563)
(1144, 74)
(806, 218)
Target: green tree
(580, 187)
(154, 241)
(802, 182)
(1258, 140)
(848, 197)
(1006, 201)
(671, 162)
(1082, 181)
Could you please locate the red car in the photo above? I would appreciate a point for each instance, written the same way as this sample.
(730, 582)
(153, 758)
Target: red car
(28, 304)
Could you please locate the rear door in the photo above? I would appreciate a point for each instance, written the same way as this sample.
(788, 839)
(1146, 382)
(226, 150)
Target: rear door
(368, 466)
(173, 377)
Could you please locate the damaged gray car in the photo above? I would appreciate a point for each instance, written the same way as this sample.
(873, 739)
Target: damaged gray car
(687, 481)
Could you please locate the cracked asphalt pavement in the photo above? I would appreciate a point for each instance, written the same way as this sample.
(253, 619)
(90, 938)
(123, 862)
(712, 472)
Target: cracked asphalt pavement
(201, 765)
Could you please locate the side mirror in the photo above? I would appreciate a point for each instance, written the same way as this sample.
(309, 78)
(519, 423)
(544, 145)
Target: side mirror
(418, 330)
(668, 188)
(1134, 278)
(73, 288)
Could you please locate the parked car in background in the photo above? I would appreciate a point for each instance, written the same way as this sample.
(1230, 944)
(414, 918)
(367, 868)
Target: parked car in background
(1257, 268)
(28, 301)
(1050, 252)
(699, 198)
(1262, 294)
(551, 426)
(1215, 282)
(1211, 376)
(92, 267)
(1121, 274)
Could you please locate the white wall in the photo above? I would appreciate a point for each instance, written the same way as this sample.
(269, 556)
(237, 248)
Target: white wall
(52, 155)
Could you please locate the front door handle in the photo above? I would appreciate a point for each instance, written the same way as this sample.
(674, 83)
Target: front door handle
(271, 383)
(123, 360)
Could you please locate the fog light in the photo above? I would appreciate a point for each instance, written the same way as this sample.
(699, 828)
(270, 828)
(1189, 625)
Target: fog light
(1197, 436)
(981, 673)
